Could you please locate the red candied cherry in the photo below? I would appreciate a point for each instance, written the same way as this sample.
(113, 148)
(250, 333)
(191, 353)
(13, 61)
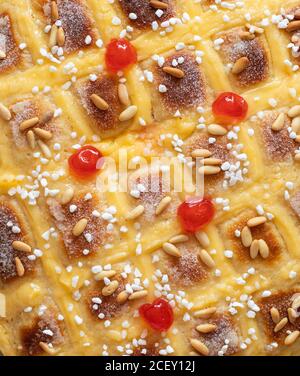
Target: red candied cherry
(159, 315)
(195, 213)
(230, 108)
(120, 54)
(86, 161)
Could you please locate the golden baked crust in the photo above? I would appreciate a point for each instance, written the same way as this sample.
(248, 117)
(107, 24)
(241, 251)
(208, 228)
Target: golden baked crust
(53, 296)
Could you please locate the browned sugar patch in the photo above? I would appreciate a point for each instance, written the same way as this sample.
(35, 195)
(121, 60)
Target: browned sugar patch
(156, 188)
(31, 336)
(278, 145)
(8, 217)
(145, 12)
(218, 149)
(267, 232)
(76, 23)
(29, 109)
(107, 88)
(235, 48)
(65, 222)
(109, 305)
(225, 330)
(183, 93)
(8, 44)
(187, 270)
(282, 301)
(150, 349)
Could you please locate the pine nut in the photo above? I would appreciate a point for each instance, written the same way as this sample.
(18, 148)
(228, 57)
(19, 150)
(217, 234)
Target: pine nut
(291, 338)
(263, 249)
(164, 203)
(53, 36)
(174, 72)
(212, 162)
(80, 226)
(216, 130)
(110, 289)
(275, 315)
(297, 157)
(171, 250)
(209, 170)
(292, 314)
(256, 221)
(240, 65)
(43, 134)
(105, 274)
(201, 153)
(19, 267)
(99, 102)
(278, 123)
(122, 297)
(294, 111)
(254, 249)
(205, 313)
(158, 4)
(67, 195)
(136, 212)
(61, 38)
(206, 328)
(21, 246)
(246, 237)
(296, 124)
(138, 295)
(128, 114)
(123, 95)
(54, 11)
(206, 258)
(46, 151)
(178, 239)
(29, 123)
(30, 139)
(2, 55)
(4, 112)
(202, 238)
(199, 346)
(293, 26)
(282, 323)
(245, 35)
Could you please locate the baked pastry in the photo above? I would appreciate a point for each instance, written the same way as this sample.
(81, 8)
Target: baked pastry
(149, 270)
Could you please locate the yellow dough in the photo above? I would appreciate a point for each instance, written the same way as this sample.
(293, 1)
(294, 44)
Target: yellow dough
(235, 286)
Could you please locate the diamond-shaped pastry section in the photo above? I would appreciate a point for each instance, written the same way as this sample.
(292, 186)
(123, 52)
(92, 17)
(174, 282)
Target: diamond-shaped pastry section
(279, 317)
(279, 134)
(244, 52)
(107, 104)
(43, 335)
(147, 14)
(254, 240)
(215, 334)
(16, 246)
(177, 83)
(79, 222)
(67, 24)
